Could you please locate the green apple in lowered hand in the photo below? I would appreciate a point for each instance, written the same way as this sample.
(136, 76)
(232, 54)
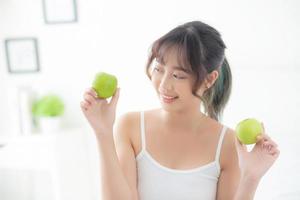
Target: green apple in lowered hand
(105, 84)
(247, 130)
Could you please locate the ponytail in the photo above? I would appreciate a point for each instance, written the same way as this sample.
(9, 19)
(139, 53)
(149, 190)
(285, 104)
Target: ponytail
(216, 98)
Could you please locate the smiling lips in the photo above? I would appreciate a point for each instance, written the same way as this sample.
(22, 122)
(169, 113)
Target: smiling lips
(168, 99)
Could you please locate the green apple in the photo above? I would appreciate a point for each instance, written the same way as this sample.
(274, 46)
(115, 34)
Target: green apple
(247, 130)
(105, 84)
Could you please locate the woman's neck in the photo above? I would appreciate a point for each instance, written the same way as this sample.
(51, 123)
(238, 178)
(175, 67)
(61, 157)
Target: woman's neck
(182, 120)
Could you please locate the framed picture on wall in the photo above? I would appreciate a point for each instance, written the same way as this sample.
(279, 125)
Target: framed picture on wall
(22, 55)
(60, 11)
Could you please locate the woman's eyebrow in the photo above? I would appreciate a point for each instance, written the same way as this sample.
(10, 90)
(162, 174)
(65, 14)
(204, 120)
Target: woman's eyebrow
(181, 69)
(174, 67)
(178, 67)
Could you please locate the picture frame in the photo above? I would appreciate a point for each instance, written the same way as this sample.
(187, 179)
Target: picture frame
(22, 55)
(60, 11)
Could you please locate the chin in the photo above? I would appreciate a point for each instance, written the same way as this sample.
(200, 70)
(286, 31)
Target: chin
(172, 108)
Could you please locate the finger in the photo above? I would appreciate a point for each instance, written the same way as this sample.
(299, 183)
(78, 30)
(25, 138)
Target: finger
(277, 153)
(270, 147)
(84, 105)
(265, 145)
(262, 138)
(273, 151)
(83, 109)
(266, 138)
(89, 98)
(115, 98)
(259, 138)
(270, 150)
(272, 142)
(269, 144)
(92, 92)
(100, 100)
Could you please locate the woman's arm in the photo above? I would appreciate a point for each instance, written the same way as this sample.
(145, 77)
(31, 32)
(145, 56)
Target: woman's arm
(114, 184)
(255, 164)
(246, 190)
(101, 116)
(249, 166)
(230, 172)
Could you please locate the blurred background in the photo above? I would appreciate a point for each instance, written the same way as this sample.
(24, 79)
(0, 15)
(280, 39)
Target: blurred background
(50, 51)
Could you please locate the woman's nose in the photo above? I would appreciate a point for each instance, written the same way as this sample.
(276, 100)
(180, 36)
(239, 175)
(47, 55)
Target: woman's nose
(166, 84)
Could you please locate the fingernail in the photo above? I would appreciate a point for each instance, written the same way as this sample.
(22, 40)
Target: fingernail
(259, 137)
(270, 147)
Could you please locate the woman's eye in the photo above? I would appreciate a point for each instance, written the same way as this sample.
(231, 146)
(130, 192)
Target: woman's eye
(159, 70)
(178, 77)
(156, 69)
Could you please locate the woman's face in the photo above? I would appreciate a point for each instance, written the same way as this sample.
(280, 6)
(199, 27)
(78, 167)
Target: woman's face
(173, 84)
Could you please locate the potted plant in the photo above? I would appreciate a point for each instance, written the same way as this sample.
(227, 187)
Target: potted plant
(48, 111)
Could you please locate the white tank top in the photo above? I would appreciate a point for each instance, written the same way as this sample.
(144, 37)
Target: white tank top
(157, 182)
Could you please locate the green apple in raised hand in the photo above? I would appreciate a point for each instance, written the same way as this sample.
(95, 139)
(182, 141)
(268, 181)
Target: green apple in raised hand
(248, 130)
(105, 84)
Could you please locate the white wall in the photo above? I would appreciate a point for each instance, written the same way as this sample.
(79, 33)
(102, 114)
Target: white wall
(115, 36)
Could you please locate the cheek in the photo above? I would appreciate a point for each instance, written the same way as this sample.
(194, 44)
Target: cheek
(187, 91)
(155, 81)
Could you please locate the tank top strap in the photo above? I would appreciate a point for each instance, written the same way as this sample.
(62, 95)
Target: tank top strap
(221, 138)
(142, 126)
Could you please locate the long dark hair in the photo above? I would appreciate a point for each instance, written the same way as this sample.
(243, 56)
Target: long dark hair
(201, 50)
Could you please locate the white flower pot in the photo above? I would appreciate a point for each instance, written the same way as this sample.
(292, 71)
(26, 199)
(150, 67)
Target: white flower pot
(50, 124)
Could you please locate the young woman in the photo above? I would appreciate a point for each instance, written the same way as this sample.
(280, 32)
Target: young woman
(178, 151)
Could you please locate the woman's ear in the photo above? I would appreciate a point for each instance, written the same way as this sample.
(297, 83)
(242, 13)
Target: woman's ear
(208, 82)
(211, 79)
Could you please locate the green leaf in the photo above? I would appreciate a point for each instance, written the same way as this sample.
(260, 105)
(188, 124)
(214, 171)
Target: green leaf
(48, 106)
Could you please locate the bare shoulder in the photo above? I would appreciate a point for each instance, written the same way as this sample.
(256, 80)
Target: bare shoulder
(127, 119)
(229, 137)
(229, 155)
(128, 128)
(126, 123)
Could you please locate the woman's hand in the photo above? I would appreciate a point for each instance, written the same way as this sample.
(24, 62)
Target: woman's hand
(99, 112)
(255, 164)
